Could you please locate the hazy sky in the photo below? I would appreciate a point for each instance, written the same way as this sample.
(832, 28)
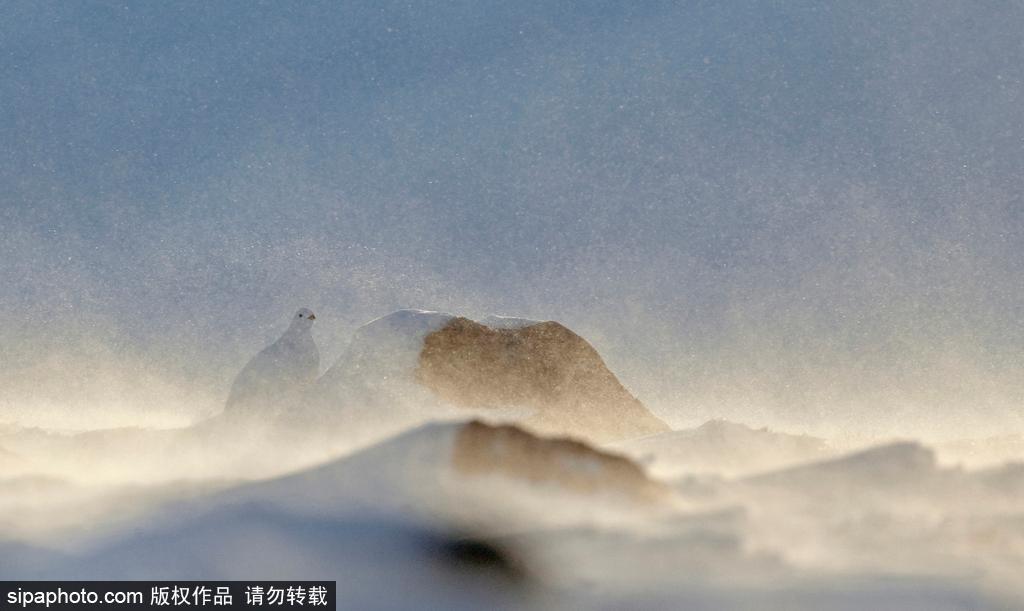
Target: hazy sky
(779, 212)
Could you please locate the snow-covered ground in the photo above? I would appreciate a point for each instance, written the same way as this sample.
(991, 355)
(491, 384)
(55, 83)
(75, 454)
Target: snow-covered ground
(886, 526)
(434, 510)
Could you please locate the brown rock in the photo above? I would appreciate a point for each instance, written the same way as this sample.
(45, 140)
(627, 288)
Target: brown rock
(544, 366)
(574, 466)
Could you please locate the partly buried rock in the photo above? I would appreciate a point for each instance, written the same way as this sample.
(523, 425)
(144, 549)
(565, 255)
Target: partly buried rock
(566, 464)
(542, 366)
(470, 469)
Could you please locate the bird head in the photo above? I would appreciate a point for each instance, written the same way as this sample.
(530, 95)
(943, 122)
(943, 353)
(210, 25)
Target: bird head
(305, 315)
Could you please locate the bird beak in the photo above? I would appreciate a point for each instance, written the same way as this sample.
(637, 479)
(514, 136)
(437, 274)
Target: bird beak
(312, 316)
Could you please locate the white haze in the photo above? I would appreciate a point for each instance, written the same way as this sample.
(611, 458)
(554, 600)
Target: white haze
(786, 214)
(800, 222)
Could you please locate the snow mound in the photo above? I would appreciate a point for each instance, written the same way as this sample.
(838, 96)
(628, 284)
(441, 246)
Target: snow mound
(368, 556)
(1007, 478)
(466, 471)
(983, 452)
(899, 463)
(385, 349)
(723, 447)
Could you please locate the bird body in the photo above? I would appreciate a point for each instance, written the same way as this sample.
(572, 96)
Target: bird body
(278, 375)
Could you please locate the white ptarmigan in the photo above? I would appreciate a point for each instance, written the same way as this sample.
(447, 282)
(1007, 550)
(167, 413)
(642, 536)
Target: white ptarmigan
(277, 376)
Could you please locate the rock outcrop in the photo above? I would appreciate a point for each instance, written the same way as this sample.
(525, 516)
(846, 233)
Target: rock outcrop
(482, 449)
(415, 364)
(544, 367)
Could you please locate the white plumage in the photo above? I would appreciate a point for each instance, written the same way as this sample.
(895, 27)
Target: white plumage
(278, 375)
